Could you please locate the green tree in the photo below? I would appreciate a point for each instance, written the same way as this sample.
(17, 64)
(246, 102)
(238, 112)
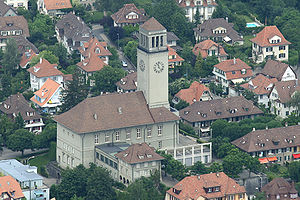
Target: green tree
(233, 163)
(179, 84)
(99, 184)
(251, 164)
(199, 168)
(20, 140)
(215, 167)
(197, 17)
(130, 51)
(293, 169)
(106, 78)
(19, 121)
(173, 167)
(76, 92)
(218, 127)
(47, 136)
(295, 101)
(7, 126)
(11, 57)
(48, 55)
(181, 105)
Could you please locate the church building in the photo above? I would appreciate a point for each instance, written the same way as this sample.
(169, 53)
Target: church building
(131, 118)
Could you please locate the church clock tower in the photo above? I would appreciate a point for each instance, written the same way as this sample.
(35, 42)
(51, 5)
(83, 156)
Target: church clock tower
(152, 63)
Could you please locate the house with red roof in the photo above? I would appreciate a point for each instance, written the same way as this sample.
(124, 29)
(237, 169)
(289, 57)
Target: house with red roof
(129, 14)
(48, 97)
(207, 186)
(210, 48)
(53, 7)
(205, 8)
(231, 72)
(10, 188)
(93, 46)
(196, 92)
(173, 58)
(43, 70)
(89, 66)
(26, 58)
(261, 86)
(270, 43)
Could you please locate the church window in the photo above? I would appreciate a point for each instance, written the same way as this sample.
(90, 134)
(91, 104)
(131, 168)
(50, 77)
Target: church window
(153, 42)
(159, 130)
(161, 41)
(157, 40)
(106, 137)
(128, 135)
(138, 133)
(117, 136)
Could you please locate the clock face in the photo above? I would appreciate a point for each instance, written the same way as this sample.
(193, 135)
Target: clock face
(142, 65)
(158, 67)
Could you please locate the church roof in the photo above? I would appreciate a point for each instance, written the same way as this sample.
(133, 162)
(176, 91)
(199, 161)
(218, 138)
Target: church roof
(153, 25)
(113, 111)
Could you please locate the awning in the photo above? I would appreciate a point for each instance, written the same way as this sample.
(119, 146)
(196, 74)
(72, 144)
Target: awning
(296, 155)
(263, 160)
(272, 159)
(227, 39)
(239, 80)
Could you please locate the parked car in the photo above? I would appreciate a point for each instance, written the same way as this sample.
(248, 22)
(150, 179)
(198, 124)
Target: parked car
(124, 63)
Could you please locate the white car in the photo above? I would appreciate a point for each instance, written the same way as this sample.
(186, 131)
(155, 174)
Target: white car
(124, 63)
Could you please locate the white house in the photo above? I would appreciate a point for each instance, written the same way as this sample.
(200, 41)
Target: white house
(279, 70)
(270, 43)
(204, 7)
(31, 183)
(53, 7)
(280, 95)
(17, 3)
(41, 72)
(48, 98)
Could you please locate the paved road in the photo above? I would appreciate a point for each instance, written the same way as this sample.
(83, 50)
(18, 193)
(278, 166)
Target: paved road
(98, 31)
(9, 154)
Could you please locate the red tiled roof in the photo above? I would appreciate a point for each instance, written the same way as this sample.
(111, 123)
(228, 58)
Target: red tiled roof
(57, 4)
(204, 46)
(193, 187)
(8, 185)
(44, 69)
(91, 64)
(46, 92)
(260, 84)
(26, 58)
(120, 16)
(193, 93)
(91, 47)
(234, 65)
(139, 153)
(172, 52)
(262, 38)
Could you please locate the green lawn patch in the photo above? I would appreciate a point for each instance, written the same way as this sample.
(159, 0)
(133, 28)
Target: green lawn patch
(247, 42)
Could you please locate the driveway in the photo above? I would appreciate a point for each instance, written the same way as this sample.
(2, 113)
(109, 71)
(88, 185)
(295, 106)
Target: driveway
(98, 31)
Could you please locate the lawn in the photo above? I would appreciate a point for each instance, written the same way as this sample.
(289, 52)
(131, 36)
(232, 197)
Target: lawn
(247, 42)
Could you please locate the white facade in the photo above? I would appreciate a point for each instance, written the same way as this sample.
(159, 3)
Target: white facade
(289, 75)
(260, 54)
(205, 11)
(37, 82)
(17, 3)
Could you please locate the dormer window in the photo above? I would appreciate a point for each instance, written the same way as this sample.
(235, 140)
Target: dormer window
(97, 50)
(217, 189)
(243, 71)
(209, 190)
(176, 191)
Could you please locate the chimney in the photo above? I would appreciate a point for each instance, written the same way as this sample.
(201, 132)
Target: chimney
(286, 124)
(198, 177)
(267, 127)
(226, 19)
(253, 129)
(43, 93)
(41, 60)
(217, 174)
(234, 61)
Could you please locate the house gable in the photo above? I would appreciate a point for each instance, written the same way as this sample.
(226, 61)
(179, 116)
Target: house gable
(275, 39)
(219, 30)
(288, 75)
(132, 15)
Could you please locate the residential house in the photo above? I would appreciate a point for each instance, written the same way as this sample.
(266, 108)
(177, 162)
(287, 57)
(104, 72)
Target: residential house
(272, 145)
(10, 189)
(29, 180)
(270, 43)
(129, 14)
(17, 3)
(89, 66)
(93, 46)
(26, 58)
(16, 104)
(54, 8)
(218, 30)
(210, 48)
(196, 92)
(133, 117)
(12, 27)
(43, 70)
(231, 72)
(72, 32)
(279, 188)
(172, 41)
(173, 58)
(128, 83)
(24, 45)
(280, 71)
(127, 163)
(204, 7)
(280, 96)
(207, 186)
(261, 86)
(6, 10)
(201, 114)
(48, 97)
